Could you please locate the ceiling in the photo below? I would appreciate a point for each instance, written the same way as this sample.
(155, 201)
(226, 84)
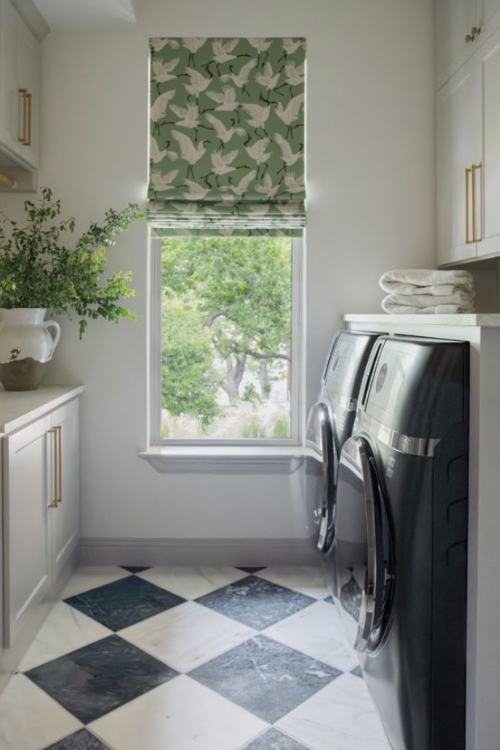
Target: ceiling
(70, 14)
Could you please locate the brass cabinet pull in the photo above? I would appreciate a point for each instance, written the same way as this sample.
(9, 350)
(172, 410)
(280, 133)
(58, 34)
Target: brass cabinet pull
(54, 484)
(22, 94)
(59, 464)
(468, 174)
(475, 238)
(25, 137)
(28, 118)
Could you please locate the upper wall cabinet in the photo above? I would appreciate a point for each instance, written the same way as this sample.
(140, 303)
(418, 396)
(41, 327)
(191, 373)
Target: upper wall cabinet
(461, 25)
(19, 88)
(468, 158)
(458, 154)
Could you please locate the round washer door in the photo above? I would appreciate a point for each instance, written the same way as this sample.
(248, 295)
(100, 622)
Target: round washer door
(362, 548)
(321, 448)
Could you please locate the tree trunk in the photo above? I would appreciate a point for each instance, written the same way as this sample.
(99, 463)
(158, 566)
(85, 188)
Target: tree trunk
(265, 385)
(235, 369)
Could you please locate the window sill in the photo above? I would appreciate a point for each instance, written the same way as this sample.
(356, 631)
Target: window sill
(219, 459)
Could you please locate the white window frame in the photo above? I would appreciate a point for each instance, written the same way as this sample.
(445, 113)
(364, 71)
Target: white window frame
(154, 364)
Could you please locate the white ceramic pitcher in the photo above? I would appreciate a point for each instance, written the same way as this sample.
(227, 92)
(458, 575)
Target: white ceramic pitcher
(27, 343)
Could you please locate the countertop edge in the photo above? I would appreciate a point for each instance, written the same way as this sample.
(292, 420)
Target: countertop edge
(62, 395)
(478, 320)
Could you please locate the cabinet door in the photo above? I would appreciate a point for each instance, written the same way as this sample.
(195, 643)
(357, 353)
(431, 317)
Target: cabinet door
(489, 63)
(9, 96)
(26, 500)
(458, 147)
(28, 67)
(19, 72)
(454, 20)
(64, 454)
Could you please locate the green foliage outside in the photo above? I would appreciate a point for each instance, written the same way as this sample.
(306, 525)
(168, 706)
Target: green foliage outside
(38, 269)
(226, 313)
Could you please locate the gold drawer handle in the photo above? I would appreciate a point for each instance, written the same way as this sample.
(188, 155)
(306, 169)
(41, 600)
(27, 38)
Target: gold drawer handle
(468, 174)
(56, 498)
(26, 97)
(475, 238)
(28, 117)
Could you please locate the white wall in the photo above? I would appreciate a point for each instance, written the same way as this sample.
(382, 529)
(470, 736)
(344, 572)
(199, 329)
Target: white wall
(370, 181)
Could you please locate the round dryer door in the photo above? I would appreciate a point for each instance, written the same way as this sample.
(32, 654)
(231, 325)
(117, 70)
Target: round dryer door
(321, 448)
(363, 554)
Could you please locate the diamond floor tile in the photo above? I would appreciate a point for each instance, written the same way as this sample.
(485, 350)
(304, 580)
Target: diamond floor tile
(123, 603)
(187, 636)
(274, 740)
(339, 717)
(136, 568)
(255, 602)
(317, 632)
(190, 581)
(181, 715)
(308, 579)
(91, 577)
(65, 629)
(265, 677)
(81, 740)
(100, 677)
(30, 719)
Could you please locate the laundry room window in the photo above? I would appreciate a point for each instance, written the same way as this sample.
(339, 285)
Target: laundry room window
(225, 339)
(227, 210)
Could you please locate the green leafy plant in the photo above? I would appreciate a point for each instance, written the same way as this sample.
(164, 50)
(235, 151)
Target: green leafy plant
(38, 269)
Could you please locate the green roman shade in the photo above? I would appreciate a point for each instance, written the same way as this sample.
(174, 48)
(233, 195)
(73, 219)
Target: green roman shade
(227, 136)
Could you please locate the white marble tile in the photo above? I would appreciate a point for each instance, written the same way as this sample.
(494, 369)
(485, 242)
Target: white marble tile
(64, 630)
(186, 636)
(341, 716)
(190, 581)
(30, 719)
(308, 579)
(316, 631)
(90, 577)
(182, 715)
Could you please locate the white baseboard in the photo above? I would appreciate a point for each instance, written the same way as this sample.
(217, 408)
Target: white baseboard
(251, 552)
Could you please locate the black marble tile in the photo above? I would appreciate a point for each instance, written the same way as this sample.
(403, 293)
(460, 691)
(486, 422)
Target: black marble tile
(135, 568)
(97, 678)
(357, 672)
(81, 740)
(265, 677)
(329, 599)
(125, 602)
(249, 570)
(274, 740)
(255, 602)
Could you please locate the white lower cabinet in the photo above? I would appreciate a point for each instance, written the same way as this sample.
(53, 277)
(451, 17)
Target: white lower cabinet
(26, 515)
(41, 513)
(64, 518)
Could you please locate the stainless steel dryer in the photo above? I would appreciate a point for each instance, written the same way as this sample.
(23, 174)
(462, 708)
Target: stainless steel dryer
(330, 423)
(400, 547)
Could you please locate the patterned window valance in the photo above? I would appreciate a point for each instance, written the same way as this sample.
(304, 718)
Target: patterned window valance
(227, 135)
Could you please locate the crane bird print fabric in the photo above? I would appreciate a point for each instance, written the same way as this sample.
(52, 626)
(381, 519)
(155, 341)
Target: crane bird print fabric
(227, 135)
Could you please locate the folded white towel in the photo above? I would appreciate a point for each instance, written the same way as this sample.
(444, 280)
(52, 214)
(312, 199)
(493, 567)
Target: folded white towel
(390, 305)
(423, 277)
(460, 297)
(436, 290)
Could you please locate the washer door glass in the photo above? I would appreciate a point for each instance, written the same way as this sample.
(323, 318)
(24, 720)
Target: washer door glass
(321, 448)
(362, 548)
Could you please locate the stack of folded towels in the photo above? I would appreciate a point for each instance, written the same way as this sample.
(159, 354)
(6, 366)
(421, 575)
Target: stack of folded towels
(427, 291)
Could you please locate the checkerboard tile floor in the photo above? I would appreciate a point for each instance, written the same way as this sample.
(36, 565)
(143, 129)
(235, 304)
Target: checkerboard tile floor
(185, 658)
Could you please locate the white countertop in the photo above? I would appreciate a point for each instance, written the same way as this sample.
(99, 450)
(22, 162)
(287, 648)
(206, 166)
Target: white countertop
(488, 320)
(19, 408)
